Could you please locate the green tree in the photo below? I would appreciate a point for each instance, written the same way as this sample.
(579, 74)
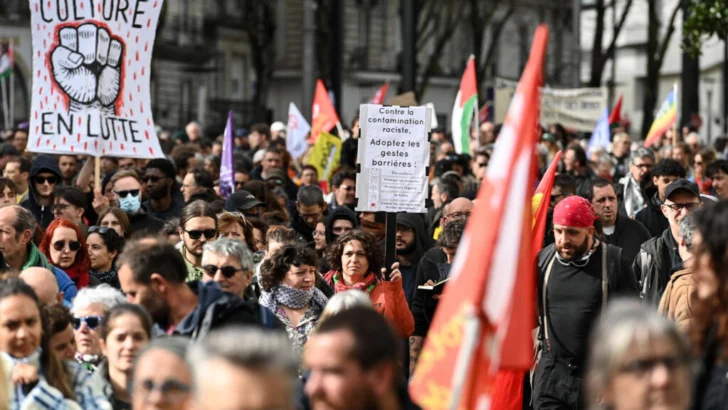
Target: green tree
(706, 18)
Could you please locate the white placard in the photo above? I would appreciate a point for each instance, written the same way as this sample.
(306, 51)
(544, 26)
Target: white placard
(91, 71)
(394, 153)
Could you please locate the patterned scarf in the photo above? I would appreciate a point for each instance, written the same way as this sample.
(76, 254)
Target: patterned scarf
(88, 361)
(367, 285)
(292, 298)
(110, 277)
(633, 200)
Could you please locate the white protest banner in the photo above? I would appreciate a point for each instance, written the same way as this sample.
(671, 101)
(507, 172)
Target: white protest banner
(578, 108)
(298, 129)
(91, 70)
(393, 154)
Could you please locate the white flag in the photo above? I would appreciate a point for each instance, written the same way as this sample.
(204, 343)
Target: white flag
(298, 129)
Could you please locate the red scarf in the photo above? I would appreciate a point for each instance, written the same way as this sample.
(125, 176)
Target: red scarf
(333, 278)
(78, 275)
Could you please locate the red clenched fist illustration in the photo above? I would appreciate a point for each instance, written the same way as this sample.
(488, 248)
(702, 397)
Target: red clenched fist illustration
(87, 66)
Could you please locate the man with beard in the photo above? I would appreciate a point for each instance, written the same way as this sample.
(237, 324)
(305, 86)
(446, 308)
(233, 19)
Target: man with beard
(412, 243)
(577, 276)
(619, 230)
(159, 184)
(152, 275)
(197, 226)
(630, 188)
(659, 257)
(44, 176)
(353, 363)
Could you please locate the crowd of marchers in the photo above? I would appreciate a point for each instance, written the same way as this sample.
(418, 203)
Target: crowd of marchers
(155, 292)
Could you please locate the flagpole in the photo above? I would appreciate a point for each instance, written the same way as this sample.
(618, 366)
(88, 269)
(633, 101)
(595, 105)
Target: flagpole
(340, 129)
(677, 111)
(3, 95)
(12, 83)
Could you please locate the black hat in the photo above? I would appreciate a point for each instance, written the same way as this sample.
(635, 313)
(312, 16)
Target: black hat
(682, 184)
(276, 175)
(241, 201)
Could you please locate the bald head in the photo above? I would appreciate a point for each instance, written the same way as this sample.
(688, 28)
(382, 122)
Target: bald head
(43, 283)
(459, 208)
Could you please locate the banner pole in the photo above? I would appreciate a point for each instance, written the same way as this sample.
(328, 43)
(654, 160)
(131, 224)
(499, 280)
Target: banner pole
(97, 174)
(4, 96)
(675, 138)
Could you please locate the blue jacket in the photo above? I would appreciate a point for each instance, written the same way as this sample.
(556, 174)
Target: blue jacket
(65, 284)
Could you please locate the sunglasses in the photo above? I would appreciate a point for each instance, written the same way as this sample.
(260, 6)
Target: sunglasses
(151, 179)
(196, 234)
(679, 207)
(100, 229)
(124, 194)
(227, 270)
(42, 180)
(72, 245)
(92, 322)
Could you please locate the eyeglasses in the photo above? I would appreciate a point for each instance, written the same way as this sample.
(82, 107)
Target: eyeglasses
(124, 194)
(92, 322)
(690, 206)
(151, 178)
(645, 366)
(72, 245)
(195, 234)
(42, 180)
(172, 390)
(347, 188)
(239, 184)
(227, 270)
(312, 216)
(457, 215)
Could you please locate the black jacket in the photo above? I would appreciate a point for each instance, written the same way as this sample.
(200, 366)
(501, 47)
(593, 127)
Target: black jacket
(341, 212)
(174, 210)
(653, 266)
(216, 309)
(144, 223)
(583, 181)
(431, 267)
(628, 235)
(43, 214)
(304, 233)
(422, 244)
(652, 217)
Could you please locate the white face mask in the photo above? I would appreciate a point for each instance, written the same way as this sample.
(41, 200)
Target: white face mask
(130, 204)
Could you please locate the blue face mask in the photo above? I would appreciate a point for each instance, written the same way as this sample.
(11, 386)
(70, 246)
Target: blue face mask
(130, 204)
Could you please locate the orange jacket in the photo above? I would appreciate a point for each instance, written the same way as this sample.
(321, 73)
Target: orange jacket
(388, 299)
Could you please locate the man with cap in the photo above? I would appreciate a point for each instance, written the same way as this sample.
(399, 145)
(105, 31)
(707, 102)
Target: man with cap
(245, 203)
(659, 257)
(577, 275)
(44, 176)
(159, 186)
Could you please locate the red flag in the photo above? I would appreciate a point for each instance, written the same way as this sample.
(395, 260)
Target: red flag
(378, 97)
(485, 316)
(323, 114)
(616, 116)
(484, 113)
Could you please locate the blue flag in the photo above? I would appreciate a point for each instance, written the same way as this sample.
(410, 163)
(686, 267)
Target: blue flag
(227, 174)
(600, 135)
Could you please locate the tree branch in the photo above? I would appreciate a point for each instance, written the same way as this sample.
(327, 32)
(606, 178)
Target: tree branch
(668, 35)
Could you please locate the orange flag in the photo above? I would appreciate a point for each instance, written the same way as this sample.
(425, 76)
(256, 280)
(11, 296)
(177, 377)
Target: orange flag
(540, 203)
(484, 319)
(323, 114)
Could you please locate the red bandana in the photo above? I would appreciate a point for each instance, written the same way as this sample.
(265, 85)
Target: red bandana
(574, 211)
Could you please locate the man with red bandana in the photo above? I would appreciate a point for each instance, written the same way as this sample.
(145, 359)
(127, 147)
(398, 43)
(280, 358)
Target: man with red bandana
(577, 275)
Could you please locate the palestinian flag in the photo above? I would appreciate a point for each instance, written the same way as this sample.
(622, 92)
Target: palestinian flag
(465, 109)
(6, 61)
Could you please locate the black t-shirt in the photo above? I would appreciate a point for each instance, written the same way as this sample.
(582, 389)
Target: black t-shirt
(574, 301)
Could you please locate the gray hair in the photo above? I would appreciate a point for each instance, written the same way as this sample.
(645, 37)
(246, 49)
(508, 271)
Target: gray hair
(623, 324)
(344, 301)
(310, 195)
(231, 248)
(24, 220)
(103, 294)
(687, 227)
(642, 153)
(247, 347)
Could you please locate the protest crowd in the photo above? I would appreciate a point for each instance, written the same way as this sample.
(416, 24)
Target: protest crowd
(242, 270)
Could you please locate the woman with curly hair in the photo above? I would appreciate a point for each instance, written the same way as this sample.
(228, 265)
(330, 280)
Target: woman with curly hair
(288, 283)
(64, 246)
(709, 330)
(354, 259)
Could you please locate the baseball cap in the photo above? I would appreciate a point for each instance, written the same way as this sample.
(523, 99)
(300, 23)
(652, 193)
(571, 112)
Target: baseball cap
(241, 201)
(682, 184)
(276, 174)
(278, 126)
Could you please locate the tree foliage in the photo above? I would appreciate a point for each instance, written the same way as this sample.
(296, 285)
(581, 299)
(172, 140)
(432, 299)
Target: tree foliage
(706, 18)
